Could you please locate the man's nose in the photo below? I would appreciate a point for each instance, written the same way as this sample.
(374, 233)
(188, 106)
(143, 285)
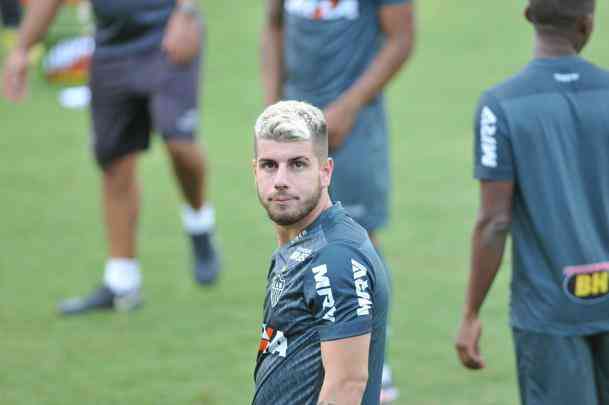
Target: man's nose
(281, 178)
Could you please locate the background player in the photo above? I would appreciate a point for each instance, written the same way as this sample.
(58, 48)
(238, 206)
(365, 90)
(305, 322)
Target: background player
(325, 311)
(339, 55)
(144, 75)
(541, 156)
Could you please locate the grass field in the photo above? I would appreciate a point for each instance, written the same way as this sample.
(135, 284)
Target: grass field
(197, 346)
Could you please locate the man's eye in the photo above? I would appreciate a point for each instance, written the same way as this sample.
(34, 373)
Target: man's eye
(299, 164)
(267, 165)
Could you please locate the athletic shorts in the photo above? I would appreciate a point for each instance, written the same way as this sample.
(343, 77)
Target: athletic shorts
(562, 370)
(361, 169)
(133, 95)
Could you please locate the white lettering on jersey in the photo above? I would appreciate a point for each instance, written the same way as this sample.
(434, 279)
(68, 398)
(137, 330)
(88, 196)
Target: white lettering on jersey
(324, 289)
(323, 9)
(488, 143)
(566, 77)
(361, 288)
(300, 255)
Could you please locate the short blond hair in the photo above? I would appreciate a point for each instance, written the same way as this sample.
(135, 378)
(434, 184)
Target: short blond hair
(293, 121)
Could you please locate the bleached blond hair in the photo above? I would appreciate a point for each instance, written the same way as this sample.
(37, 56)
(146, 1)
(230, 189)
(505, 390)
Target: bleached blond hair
(293, 121)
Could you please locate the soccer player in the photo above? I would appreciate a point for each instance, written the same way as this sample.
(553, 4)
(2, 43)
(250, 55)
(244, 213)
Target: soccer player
(542, 139)
(339, 55)
(144, 76)
(325, 311)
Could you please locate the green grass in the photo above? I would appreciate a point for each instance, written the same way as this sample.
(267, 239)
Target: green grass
(197, 346)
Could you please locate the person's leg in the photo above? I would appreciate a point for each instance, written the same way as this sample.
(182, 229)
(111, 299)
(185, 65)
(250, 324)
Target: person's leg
(174, 108)
(554, 370)
(120, 197)
(188, 162)
(600, 350)
(121, 129)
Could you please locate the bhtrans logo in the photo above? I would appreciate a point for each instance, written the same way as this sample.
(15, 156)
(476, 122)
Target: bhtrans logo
(272, 341)
(587, 284)
(323, 9)
(488, 143)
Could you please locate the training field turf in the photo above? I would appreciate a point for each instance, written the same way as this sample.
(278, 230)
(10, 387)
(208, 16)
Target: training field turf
(196, 346)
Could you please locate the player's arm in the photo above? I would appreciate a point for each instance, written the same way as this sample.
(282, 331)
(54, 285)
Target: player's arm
(397, 23)
(488, 243)
(271, 52)
(345, 364)
(39, 15)
(183, 35)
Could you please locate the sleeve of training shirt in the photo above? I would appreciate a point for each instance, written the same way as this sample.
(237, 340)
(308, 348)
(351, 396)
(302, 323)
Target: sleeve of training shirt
(339, 288)
(492, 145)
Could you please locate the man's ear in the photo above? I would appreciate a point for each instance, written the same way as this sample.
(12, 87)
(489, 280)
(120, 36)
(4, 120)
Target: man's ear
(584, 26)
(527, 14)
(254, 167)
(326, 172)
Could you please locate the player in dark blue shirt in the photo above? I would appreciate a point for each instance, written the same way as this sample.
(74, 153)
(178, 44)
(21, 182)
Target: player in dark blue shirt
(542, 139)
(325, 311)
(144, 76)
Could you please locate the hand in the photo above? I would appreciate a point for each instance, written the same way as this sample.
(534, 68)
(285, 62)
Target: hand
(340, 118)
(14, 78)
(182, 40)
(467, 343)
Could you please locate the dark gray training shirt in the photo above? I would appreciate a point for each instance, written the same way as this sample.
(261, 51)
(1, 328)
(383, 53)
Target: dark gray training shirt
(128, 26)
(547, 129)
(325, 285)
(328, 45)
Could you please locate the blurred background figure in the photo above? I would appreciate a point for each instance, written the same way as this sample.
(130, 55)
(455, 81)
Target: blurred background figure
(144, 77)
(541, 142)
(339, 55)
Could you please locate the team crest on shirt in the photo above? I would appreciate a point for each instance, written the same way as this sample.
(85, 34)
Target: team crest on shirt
(587, 284)
(277, 286)
(323, 9)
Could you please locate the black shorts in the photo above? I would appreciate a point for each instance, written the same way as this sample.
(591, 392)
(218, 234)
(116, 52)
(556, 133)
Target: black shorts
(131, 96)
(562, 370)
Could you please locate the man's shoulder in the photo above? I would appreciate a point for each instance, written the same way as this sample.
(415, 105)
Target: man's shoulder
(533, 80)
(516, 85)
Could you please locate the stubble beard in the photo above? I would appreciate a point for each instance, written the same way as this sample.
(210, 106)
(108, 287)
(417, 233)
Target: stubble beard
(291, 217)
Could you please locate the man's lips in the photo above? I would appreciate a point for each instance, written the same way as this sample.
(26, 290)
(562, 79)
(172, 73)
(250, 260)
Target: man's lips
(283, 198)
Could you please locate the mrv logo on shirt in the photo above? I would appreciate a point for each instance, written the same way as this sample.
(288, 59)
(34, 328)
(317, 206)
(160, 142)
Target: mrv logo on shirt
(488, 143)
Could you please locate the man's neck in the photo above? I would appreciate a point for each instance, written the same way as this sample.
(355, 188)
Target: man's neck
(287, 233)
(553, 46)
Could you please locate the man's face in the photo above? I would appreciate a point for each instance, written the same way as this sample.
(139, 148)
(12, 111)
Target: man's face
(289, 179)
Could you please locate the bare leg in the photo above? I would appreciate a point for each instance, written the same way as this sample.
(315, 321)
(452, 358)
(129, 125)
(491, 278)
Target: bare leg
(120, 197)
(189, 166)
(121, 206)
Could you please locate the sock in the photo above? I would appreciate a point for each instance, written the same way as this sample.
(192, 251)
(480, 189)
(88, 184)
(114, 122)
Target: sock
(386, 379)
(198, 221)
(122, 275)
